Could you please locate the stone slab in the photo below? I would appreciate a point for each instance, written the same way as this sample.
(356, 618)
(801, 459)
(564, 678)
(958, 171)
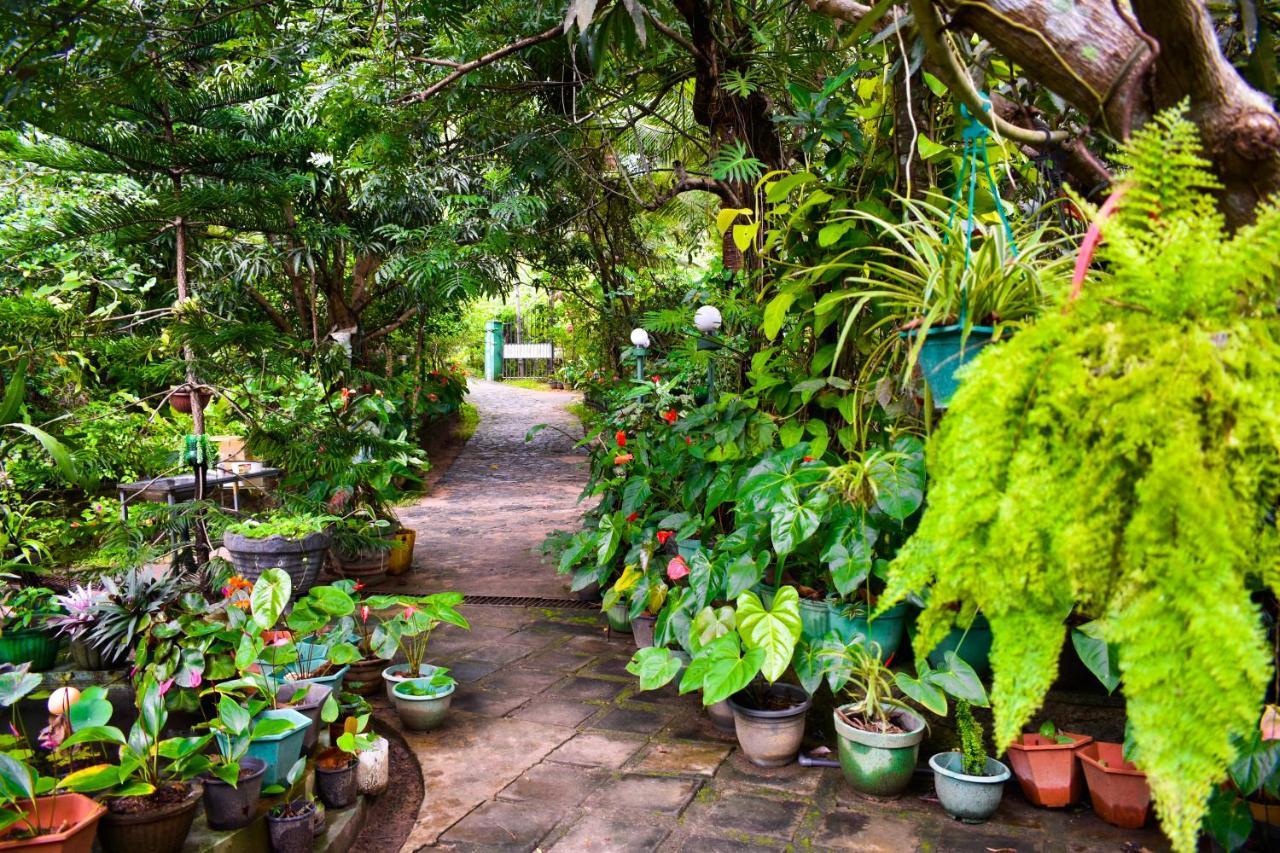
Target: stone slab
(599, 833)
(666, 794)
(597, 749)
(688, 759)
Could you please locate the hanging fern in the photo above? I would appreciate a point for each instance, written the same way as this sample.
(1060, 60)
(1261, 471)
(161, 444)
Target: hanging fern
(1122, 458)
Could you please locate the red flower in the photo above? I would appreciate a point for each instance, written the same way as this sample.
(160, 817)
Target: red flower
(688, 440)
(670, 416)
(656, 379)
(622, 459)
(359, 586)
(621, 438)
(677, 568)
(807, 459)
(633, 516)
(664, 535)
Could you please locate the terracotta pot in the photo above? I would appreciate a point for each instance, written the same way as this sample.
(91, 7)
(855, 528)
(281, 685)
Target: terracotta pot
(1264, 812)
(161, 830)
(76, 812)
(180, 401)
(1118, 789)
(364, 678)
(1048, 771)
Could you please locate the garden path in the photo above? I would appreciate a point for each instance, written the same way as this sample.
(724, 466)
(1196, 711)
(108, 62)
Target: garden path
(480, 528)
(550, 745)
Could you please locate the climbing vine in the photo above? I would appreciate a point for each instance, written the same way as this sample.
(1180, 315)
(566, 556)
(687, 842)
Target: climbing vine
(1121, 459)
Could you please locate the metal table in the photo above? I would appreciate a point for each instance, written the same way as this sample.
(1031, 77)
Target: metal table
(172, 490)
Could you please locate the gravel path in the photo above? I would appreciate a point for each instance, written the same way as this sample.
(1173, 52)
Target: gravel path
(480, 529)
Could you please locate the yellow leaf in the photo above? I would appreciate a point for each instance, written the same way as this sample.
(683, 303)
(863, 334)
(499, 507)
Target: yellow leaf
(630, 577)
(727, 215)
(745, 235)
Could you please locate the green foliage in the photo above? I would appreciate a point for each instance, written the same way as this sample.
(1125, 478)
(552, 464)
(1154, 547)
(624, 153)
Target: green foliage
(286, 525)
(973, 752)
(1120, 458)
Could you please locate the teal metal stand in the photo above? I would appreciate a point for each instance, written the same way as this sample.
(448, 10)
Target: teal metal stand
(493, 350)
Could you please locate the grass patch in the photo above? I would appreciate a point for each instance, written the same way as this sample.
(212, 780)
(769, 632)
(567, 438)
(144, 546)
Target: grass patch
(582, 412)
(531, 384)
(468, 421)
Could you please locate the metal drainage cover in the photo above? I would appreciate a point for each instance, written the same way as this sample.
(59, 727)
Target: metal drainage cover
(531, 601)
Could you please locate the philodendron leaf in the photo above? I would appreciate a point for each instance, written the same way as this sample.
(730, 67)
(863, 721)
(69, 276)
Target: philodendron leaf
(329, 710)
(726, 676)
(711, 623)
(922, 692)
(1097, 654)
(776, 630)
(958, 679)
(91, 709)
(654, 666)
(17, 684)
(269, 597)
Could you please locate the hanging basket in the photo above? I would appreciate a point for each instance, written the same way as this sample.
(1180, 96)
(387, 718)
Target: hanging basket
(944, 351)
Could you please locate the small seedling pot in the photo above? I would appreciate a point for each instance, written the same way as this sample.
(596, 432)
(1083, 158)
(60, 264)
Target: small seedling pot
(972, 799)
(336, 786)
(1047, 770)
(292, 834)
(771, 738)
(228, 807)
(879, 764)
(1117, 789)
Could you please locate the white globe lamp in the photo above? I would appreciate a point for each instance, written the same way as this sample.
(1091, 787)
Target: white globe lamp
(707, 319)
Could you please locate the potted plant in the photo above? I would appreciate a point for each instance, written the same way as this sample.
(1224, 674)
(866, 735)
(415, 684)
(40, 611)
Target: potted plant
(337, 782)
(233, 782)
(295, 543)
(409, 630)
(180, 399)
(291, 826)
(77, 613)
(1046, 765)
(23, 635)
(1117, 789)
(314, 701)
(969, 783)
(126, 606)
(364, 675)
(35, 818)
(374, 772)
(423, 703)
(401, 556)
(151, 799)
(349, 705)
(362, 547)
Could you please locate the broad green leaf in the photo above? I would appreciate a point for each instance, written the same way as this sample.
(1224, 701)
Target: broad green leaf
(776, 630)
(726, 217)
(269, 597)
(745, 235)
(17, 779)
(233, 715)
(922, 692)
(726, 677)
(654, 666)
(99, 777)
(94, 734)
(929, 149)
(331, 601)
(958, 679)
(710, 624)
(17, 684)
(775, 313)
(1097, 654)
(91, 709)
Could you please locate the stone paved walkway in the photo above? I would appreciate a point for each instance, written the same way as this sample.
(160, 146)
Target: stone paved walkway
(552, 746)
(480, 528)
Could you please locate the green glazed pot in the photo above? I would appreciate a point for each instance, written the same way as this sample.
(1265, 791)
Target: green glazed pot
(29, 645)
(279, 752)
(885, 631)
(880, 764)
(975, 649)
(619, 618)
(814, 618)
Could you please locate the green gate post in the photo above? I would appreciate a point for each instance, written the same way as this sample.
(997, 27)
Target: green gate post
(493, 350)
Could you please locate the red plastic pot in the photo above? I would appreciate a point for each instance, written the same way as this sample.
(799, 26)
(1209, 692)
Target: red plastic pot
(1118, 789)
(78, 813)
(1047, 770)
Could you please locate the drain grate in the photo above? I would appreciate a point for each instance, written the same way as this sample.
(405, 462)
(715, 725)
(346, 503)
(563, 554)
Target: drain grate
(531, 601)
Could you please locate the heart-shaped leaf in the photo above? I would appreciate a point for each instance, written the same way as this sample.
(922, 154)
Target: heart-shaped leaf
(776, 630)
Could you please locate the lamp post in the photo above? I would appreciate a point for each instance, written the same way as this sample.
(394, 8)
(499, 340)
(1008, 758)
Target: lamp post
(707, 321)
(639, 349)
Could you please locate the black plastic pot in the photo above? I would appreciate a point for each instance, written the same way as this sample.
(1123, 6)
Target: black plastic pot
(771, 738)
(292, 834)
(226, 807)
(337, 788)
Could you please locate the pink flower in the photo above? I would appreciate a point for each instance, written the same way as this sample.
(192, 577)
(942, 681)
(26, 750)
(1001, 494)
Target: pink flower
(165, 685)
(364, 613)
(677, 568)
(409, 610)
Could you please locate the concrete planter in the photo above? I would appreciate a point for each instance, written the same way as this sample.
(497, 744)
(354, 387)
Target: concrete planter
(879, 764)
(301, 558)
(1048, 771)
(771, 738)
(972, 799)
(421, 713)
(399, 672)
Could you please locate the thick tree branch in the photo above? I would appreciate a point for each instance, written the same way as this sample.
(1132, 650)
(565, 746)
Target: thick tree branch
(404, 317)
(277, 319)
(488, 59)
(673, 34)
(842, 10)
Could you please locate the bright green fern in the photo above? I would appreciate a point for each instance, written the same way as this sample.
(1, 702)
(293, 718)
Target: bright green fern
(1121, 458)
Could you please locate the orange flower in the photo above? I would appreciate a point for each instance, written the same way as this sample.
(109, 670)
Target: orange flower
(622, 459)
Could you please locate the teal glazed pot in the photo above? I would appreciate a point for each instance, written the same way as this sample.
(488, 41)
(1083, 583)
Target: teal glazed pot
(880, 764)
(944, 352)
(280, 752)
(973, 646)
(972, 799)
(885, 631)
(814, 618)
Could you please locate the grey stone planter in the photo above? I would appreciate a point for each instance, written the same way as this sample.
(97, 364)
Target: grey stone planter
(301, 558)
(421, 713)
(971, 799)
